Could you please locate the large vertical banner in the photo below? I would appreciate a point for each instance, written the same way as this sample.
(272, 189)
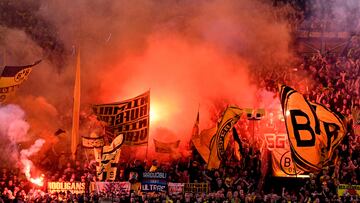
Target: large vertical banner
(130, 118)
(221, 139)
(313, 130)
(11, 78)
(108, 157)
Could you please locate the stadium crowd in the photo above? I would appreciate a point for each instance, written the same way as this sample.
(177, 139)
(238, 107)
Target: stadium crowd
(328, 78)
(335, 84)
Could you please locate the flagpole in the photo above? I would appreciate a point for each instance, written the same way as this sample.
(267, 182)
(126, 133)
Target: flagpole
(76, 109)
(147, 143)
(4, 59)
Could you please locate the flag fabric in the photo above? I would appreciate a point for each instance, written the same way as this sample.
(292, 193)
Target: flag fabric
(76, 109)
(59, 132)
(356, 120)
(238, 146)
(313, 130)
(282, 164)
(202, 142)
(333, 129)
(219, 143)
(195, 131)
(166, 147)
(281, 159)
(108, 158)
(357, 129)
(130, 117)
(93, 142)
(11, 78)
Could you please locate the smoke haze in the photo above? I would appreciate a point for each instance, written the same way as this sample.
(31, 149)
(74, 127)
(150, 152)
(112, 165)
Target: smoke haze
(188, 53)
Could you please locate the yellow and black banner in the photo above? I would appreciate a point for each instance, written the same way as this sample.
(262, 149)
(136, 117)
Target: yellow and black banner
(355, 112)
(219, 143)
(130, 117)
(348, 190)
(313, 130)
(202, 142)
(93, 142)
(11, 78)
(166, 147)
(281, 160)
(332, 128)
(108, 158)
(73, 187)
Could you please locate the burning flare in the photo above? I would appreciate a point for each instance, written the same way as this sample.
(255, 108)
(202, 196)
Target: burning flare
(27, 163)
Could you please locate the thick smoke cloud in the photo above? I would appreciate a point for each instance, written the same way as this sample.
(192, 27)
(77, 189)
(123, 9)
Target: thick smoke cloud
(13, 129)
(187, 52)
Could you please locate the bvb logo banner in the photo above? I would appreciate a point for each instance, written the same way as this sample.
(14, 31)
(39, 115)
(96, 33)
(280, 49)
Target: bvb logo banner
(12, 77)
(221, 139)
(314, 131)
(282, 163)
(22, 75)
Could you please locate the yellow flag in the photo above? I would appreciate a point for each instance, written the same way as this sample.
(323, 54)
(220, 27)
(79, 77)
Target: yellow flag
(11, 78)
(166, 147)
(76, 109)
(219, 143)
(332, 129)
(313, 130)
(202, 142)
(110, 156)
(195, 131)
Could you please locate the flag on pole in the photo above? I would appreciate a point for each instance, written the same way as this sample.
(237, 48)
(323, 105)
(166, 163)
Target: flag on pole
(93, 142)
(195, 131)
(76, 109)
(202, 142)
(12, 77)
(313, 130)
(238, 148)
(166, 147)
(129, 117)
(219, 143)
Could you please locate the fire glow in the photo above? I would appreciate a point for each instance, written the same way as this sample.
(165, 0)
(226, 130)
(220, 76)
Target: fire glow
(37, 181)
(27, 163)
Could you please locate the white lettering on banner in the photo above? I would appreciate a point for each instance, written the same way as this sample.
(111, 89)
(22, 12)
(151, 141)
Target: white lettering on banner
(154, 175)
(175, 188)
(276, 141)
(149, 187)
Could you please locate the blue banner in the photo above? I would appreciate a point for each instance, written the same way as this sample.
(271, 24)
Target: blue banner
(154, 182)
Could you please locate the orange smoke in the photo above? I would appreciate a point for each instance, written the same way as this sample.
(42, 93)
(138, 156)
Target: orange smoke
(181, 76)
(188, 53)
